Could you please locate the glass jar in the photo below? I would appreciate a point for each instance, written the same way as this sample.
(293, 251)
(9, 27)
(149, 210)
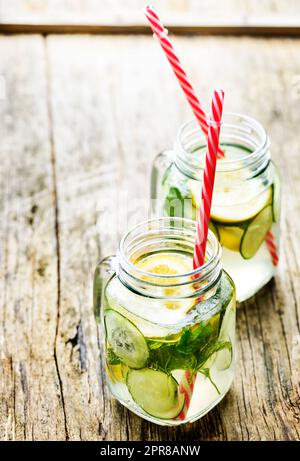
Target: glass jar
(168, 332)
(246, 202)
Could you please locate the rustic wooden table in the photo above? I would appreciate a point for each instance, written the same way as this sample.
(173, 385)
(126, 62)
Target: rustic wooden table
(82, 118)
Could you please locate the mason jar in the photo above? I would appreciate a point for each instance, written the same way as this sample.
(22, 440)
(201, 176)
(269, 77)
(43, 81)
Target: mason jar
(245, 211)
(168, 331)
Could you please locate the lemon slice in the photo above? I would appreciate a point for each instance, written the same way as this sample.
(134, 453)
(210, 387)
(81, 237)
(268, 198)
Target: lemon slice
(165, 264)
(116, 373)
(222, 187)
(242, 211)
(169, 264)
(230, 237)
(237, 211)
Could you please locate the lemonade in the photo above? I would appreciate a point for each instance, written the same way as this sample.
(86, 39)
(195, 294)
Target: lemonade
(162, 322)
(246, 201)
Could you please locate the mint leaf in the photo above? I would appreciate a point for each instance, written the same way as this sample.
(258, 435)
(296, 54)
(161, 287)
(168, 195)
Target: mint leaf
(173, 202)
(154, 344)
(168, 358)
(112, 358)
(178, 203)
(196, 339)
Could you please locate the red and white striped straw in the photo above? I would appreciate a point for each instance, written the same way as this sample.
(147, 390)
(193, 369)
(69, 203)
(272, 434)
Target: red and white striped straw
(186, 388)
(272, 247)
(212, 132)
(208, 178)
(187, 384)
(162, 34)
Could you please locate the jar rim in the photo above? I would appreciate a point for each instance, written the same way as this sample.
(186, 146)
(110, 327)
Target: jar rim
(230, 164)
(196, 274)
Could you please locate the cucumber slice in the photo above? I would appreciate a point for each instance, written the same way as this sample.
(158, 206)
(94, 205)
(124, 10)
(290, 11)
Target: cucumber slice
(227, 292)
(156, 392)
(126, 340)
(255, 233)
(224, 357)
(276, 197)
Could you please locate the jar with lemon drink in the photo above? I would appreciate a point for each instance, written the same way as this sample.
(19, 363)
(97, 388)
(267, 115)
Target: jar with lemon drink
(159, 319)
(246, 201)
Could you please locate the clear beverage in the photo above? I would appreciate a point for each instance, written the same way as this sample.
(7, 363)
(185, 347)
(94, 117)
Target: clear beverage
(164, 325)
(246, 202)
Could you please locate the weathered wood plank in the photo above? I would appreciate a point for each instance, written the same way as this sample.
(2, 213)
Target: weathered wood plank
(114, 105)
(118, 12)
(30, 403)
(112, 110)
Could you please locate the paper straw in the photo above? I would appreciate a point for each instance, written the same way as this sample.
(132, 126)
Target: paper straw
(187, 383)
(186, 388)
(272, 247)
(208, 179)
(162, 34)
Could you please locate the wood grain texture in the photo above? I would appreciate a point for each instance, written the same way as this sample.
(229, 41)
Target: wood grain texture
(30, 383)
(82, 127)
(118, 12)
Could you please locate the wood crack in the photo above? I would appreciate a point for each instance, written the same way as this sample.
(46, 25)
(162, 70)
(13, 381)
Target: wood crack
(57, 233)
(78, 341)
